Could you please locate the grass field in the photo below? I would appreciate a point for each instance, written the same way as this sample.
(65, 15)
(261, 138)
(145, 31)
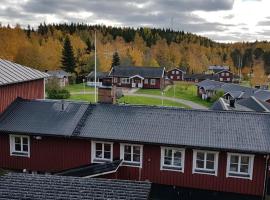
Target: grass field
(83, 97)
(149, 101)
(181, 90)
(78, 88)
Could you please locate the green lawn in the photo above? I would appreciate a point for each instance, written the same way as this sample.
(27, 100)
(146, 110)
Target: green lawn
(78, 88)
(149, 101)
(83, 97)
(181, 90)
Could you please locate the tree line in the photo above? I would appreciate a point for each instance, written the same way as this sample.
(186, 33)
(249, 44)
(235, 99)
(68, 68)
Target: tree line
(71, 46)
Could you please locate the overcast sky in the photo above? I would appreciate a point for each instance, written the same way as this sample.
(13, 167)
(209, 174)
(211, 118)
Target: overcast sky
(221, 20)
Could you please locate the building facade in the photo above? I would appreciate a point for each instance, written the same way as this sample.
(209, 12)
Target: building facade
(176, 74)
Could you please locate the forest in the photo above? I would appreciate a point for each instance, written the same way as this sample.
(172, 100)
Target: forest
(42, 48)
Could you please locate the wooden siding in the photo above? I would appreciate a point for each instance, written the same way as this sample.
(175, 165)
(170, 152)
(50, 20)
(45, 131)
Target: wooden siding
(54, 154)
(174, 76)
(223, 77)
(27, 90)
(159, 83)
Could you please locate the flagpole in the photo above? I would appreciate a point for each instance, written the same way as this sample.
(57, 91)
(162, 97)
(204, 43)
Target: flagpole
(95, 66)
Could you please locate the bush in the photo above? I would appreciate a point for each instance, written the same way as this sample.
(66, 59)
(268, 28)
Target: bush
(217, 95)
(58, 94)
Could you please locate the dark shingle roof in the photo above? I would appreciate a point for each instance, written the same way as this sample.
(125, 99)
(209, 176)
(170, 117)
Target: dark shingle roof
(129, 71)
(29, 186)
(11, 72)
(223, 104)
(242, 131)
(92, 170)
(43, 117)
(263, 95)
(255, 104)
(201, 76)
(210, 84)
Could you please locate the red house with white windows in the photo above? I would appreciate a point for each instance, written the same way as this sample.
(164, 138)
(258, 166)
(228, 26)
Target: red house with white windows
(19, 81)
(207, 150)
(176, 74)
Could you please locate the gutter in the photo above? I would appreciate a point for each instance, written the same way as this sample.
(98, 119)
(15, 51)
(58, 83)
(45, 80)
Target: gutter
(265, 178)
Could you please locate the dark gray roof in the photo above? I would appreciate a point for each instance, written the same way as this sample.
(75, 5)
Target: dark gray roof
(210, 84)
(58, 73)
(241, 131)
(42, 117)
(92, 170)
(129, 71)
(223, 104)
(255, 104)
(263, 95)
(11, 72)
(201, 76)
(100, 75)
(49, 187)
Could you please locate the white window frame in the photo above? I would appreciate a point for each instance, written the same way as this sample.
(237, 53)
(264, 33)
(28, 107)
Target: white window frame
(205, 170)
(172, 167)
(173, 72)
(228, 79)
(94, 159)
(152, 81)
(176, 72)
(146, 81)
(221, 79)
(22, 153)
(125, 80)
(227, 74)
(131, 163)
(250, 166)
(222, 74)
(178, 77)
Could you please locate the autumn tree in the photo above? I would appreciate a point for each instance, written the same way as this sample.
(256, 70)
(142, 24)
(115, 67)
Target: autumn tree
(258, 77)
(115, 60)
(68, 59)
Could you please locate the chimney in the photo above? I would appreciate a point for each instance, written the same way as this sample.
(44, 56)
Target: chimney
(62, 105)
(106, 94)
(232, 103)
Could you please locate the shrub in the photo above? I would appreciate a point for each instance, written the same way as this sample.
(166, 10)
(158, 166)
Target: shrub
(58, 94)
(217, 95)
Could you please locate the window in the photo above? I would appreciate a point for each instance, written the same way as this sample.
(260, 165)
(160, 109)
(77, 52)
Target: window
(131, 154)
(146, 81)
(115, 79)
(240, 165)
(19, 145)
(171, 77)
(125, 80)
(177, 72)
(172, 159)
(153, 81)
(102, 151)
(227, 74)
(222, 74)
(178, 77)
(221, 79)
(205, 162)
(173, 72)
(228, 79)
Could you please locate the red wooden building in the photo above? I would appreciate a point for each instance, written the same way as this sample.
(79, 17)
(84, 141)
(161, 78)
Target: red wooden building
(138, 77)
(19, 81)
(209, 150)
(176, 74)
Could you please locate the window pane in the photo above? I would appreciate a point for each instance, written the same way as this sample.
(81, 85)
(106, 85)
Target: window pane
(107, 155)
(127, 157)
(127, 149)
(17, 140)
(244, 168)
(209, 165)
(210, 157)
(17, 147)
(25, 140)
(25, 148)
(107, 147)
(136, 158)
(177, 161)
(199, 164)
(136, 150)
(234, 159)
(98, 146)
(98, 154)
(200, 156)
(168, 160)
(233, 167)
(245, 160)
(177, 154)
(168, 153)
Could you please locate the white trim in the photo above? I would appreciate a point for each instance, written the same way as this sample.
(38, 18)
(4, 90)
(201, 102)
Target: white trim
(131, 163)
(93, 152)
(154, 81)
(162, 165)
(216, 156)
(104, 173)
(250, 166)
(138, 76)
(12, 146)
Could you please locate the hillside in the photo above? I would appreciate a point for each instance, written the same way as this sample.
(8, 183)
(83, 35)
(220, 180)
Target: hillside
(42, 48)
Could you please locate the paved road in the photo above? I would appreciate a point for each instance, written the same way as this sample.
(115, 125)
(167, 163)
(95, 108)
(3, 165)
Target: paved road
(183, 101)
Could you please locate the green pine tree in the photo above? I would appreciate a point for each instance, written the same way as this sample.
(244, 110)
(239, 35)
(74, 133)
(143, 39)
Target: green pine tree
(68, 59)
(115, 60)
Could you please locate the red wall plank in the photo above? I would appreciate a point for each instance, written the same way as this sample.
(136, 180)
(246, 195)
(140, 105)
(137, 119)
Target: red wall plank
(27, 90)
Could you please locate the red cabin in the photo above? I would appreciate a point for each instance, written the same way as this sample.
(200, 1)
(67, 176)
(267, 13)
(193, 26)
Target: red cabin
(176, 74)
(208, 150)
(19, 81)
